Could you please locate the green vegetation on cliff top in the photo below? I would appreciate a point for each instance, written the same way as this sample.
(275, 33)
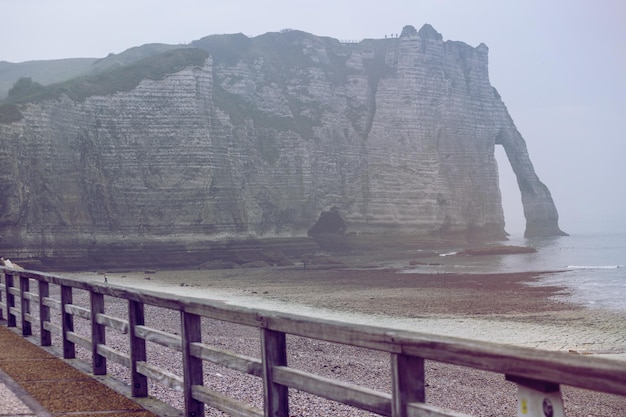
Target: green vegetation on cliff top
(119, 79)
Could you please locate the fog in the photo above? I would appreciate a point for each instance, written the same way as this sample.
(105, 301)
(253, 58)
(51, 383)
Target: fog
(560, 67)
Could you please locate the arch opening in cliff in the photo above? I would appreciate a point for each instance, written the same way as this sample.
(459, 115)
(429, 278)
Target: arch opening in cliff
(514, 221)
(542, 218)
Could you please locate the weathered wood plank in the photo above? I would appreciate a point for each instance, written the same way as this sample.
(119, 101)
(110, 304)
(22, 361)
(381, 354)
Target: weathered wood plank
(3, 289)
(159, 337)
(191, 332)
(237, 362)
(584, 372)
(534, 384)
(11, 316)
(220, 311)
(407, 383)
(332, 331)
(274, 354)
(31, 296)
(79, 340)
(56, 279)
(78, 311)
(114, 355)
(349, 394)
(112, 322)
(53, 328)
(139, 382)
(424, 410)
(31, 319)
(225, 404)
(44, 314)
(27, 328)
(98, 335)
(67, 323)
(163, 377)
(206, 308)
(51, 302)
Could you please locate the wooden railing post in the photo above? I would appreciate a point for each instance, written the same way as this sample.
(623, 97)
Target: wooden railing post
(139, 382)
(274, 351)
(98, 335)
(538, 398)
(11, 319)
(2, 279)
(67, 323)
(407, 383)
(27, 328)
(192, 366)
(44, 314)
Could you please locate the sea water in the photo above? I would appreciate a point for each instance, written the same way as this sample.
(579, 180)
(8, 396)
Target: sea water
(593, 266)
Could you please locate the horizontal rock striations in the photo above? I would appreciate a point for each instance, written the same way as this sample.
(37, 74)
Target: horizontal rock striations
(255, 137)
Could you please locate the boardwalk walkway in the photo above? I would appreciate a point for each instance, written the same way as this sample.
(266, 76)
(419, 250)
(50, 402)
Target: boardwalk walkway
(34, 382)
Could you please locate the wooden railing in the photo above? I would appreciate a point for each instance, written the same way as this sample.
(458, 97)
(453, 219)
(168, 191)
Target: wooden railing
(407, 350)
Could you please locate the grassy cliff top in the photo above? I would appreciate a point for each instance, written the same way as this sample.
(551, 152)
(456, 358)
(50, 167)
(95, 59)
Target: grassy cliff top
(111, 81)
(118, 79)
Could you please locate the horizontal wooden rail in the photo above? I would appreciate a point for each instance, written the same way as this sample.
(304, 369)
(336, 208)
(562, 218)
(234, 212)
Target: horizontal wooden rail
(114, 355)
(112, 322)
(49, 302)
(363, 398)
(81, 312)
(166, 378)
(241, 363)
(223, 403)
(51, 327)
(159, 337)
(407, 350)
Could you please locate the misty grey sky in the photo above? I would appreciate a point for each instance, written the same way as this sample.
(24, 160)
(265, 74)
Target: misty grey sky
(559, 65)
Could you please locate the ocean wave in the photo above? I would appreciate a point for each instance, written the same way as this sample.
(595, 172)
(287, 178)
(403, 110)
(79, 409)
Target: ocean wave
(594, 266)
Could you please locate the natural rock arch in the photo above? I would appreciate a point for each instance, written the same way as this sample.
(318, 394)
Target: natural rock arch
(542, 218)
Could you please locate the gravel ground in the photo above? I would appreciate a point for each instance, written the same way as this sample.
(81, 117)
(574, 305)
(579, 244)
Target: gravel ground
(498, 308)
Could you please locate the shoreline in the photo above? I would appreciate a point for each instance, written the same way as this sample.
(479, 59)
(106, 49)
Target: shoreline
(506, 308)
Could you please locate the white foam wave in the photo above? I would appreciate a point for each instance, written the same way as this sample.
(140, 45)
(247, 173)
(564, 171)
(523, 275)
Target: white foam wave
(594, 266)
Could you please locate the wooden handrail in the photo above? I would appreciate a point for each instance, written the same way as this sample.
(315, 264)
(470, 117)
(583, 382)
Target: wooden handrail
(408, 350)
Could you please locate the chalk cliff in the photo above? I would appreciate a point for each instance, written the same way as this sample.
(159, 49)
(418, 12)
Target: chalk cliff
(260, 135)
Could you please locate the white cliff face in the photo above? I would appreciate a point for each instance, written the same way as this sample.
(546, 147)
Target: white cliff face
(397, 133)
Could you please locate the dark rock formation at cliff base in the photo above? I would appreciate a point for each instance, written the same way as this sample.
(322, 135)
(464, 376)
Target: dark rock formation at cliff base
(238, 138)
(330, 222)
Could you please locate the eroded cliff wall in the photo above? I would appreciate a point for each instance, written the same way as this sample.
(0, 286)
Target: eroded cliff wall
(261, 137)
